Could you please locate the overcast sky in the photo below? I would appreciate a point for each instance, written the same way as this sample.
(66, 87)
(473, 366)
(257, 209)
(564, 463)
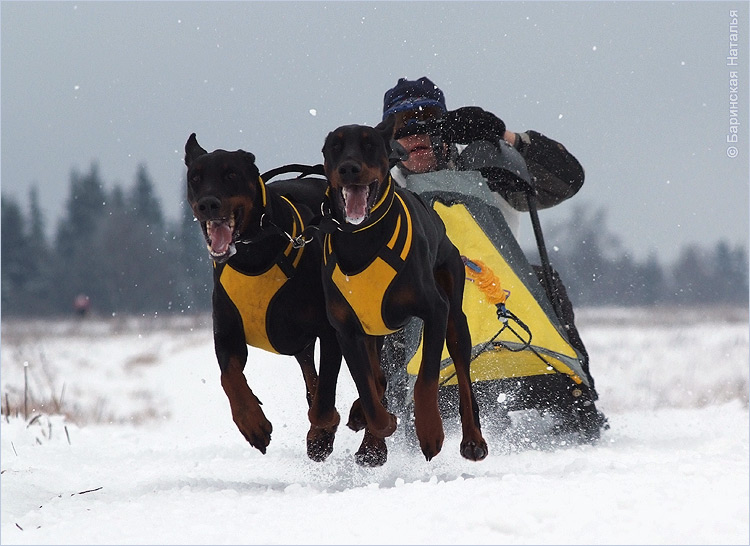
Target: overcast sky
(639, 92)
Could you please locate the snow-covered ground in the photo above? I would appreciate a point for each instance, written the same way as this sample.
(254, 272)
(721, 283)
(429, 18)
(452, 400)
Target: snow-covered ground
(154, 457)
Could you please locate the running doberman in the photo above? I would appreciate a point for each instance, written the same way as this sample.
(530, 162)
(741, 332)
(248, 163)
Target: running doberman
(388, 260)
(267, 289)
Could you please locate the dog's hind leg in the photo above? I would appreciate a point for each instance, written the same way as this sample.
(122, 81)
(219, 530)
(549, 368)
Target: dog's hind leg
(306, 360)
(324, 419)
(361, 355)
(357, 420)
(372, 451)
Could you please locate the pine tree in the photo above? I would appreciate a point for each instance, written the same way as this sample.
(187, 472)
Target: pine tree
(195, 266)
(40, 280)
(78, 242)
(652, 282)
(729, 275)
(13, 255)
(143, 203)
(141, 273)
(691, 277)
(588, 261)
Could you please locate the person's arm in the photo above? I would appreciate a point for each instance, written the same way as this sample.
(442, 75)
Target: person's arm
(556, 174)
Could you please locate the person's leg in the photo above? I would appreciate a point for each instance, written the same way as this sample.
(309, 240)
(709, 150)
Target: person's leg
(590, 420)
(398, 349)
(568, 322)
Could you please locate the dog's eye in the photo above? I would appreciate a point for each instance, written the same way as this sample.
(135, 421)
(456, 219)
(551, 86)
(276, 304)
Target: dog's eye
(230, 176)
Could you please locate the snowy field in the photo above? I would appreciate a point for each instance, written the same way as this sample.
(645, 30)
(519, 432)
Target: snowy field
(134, 444)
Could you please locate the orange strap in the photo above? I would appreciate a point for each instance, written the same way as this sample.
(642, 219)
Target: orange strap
(486, 280)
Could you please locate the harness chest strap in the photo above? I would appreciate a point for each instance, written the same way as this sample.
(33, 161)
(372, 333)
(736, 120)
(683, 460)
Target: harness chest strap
(252, 293)
(365, 291)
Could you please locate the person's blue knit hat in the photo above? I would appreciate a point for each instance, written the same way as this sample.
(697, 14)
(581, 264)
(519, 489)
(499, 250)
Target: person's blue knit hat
(410, 94)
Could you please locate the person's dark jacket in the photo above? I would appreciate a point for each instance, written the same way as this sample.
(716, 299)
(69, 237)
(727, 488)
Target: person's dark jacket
(555, 173)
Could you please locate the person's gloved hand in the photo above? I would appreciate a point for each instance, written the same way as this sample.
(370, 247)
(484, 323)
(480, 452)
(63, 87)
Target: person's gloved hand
(470, 124)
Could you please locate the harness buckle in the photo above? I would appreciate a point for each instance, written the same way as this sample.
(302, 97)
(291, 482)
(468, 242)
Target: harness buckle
(299, 241)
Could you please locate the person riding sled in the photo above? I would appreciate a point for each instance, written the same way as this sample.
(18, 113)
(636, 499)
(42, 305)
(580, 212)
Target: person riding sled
(433, 139)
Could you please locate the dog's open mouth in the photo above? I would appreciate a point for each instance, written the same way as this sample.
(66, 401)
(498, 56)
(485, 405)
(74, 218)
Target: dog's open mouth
(220, 238)
(358, 201)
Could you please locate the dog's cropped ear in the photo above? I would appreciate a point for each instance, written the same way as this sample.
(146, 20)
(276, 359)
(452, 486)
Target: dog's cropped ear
(249, 159)
(323, 150)
(325, 142)
(385, 128)
(193, 150)
(396, 152)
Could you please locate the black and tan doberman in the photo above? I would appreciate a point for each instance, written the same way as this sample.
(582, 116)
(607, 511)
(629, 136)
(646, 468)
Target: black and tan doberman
(389, 260)
(267, 289)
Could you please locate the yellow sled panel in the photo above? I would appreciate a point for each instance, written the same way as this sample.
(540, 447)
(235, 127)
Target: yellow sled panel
(481, 314)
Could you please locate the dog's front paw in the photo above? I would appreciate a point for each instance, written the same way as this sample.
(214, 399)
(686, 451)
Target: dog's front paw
(431, 447)
(474, 450)
(430, 435)
(256, 429)
(372, 452)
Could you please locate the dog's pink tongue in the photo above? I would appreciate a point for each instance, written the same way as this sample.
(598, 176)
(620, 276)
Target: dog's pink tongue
(355, 198)
(221, 237)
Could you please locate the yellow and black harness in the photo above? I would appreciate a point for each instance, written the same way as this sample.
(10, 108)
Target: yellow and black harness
(365, 290)
(252, 293)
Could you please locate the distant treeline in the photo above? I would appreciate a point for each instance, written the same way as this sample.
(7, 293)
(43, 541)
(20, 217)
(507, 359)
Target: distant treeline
(598, 270)
(114, 247)
(117, 249)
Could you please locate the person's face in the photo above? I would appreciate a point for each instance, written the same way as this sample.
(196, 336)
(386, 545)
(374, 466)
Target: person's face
(421, 155)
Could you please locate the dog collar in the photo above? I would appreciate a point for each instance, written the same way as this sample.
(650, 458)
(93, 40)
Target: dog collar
(262, 233)
(386, 194)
